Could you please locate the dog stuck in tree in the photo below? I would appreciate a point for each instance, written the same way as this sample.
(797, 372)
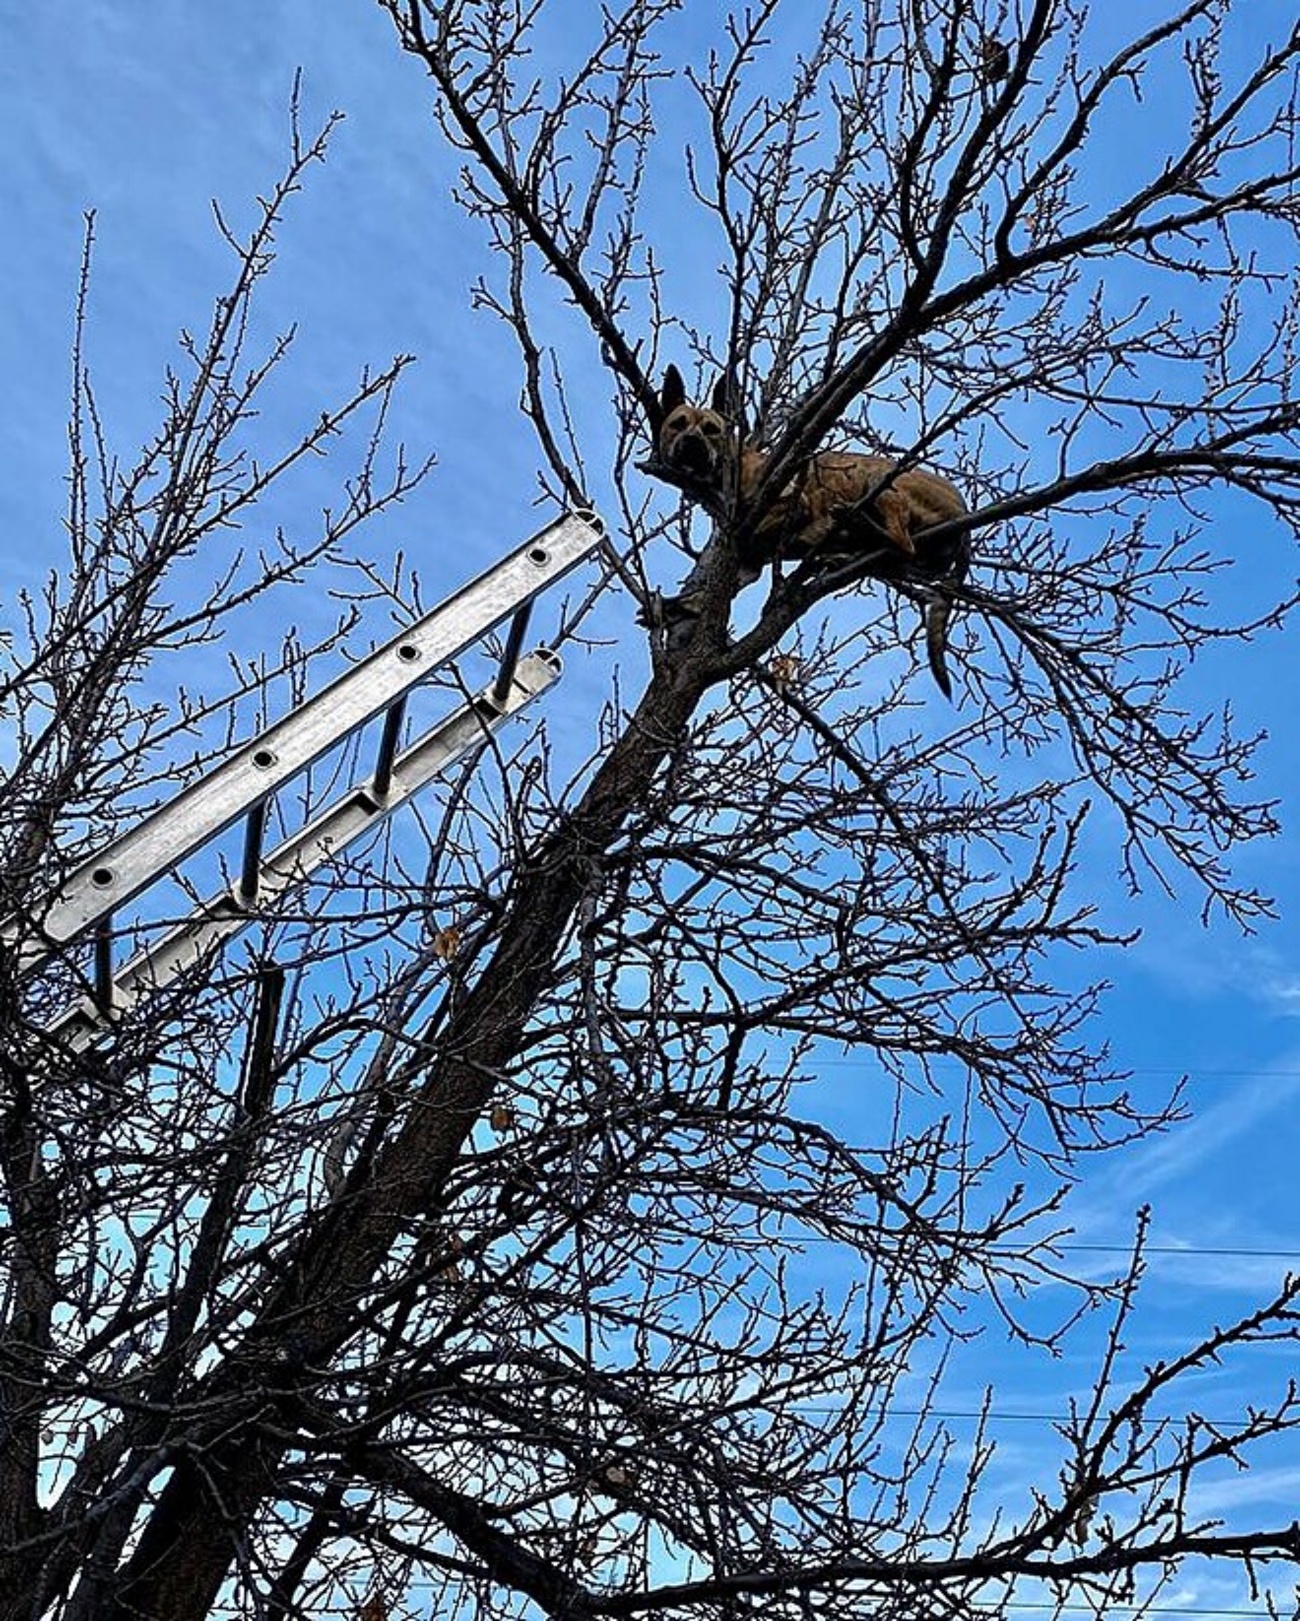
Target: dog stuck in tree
(838, 505)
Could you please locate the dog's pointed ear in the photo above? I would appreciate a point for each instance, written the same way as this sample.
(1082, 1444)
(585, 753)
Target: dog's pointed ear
(673, 392)
(726, 401)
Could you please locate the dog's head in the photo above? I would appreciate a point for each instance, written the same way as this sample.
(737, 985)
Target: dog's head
(696, 440)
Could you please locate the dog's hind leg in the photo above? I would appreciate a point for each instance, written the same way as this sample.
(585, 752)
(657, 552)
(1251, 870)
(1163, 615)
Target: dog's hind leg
(895, 511)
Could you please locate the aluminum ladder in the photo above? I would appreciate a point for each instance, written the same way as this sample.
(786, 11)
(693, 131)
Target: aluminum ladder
(244, 784)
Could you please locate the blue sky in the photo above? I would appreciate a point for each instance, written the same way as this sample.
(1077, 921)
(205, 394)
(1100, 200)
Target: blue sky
(145, 113)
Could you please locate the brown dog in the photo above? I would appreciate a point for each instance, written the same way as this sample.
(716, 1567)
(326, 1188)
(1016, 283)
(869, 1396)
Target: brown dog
(840, 504)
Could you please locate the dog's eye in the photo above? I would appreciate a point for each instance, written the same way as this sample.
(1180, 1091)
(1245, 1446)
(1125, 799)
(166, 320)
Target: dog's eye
(709, 428)
(676, 420)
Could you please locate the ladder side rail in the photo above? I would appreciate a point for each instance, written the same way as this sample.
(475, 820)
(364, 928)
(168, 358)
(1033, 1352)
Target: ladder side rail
(354, 813)
(254, 772)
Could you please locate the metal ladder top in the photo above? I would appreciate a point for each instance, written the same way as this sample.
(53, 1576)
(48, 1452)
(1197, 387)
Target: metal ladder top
(243, 784)
(225, 913)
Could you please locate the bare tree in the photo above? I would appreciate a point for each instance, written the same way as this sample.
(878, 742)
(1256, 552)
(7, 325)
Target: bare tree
(481, 1285)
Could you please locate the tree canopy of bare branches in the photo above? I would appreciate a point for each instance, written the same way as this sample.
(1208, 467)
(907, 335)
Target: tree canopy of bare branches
(482, 1278)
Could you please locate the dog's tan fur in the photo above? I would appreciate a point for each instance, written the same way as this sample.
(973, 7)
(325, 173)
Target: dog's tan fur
(811, 507)
(815, 509)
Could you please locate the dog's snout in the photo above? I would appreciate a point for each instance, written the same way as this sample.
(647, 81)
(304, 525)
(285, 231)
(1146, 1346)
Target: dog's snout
(693, 454)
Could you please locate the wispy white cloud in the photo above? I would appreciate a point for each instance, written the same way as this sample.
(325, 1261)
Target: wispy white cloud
(1255, 1489)
(1191, 1157)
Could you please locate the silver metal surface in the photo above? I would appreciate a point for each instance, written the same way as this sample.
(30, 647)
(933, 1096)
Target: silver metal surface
(354, 813)
(252, 774)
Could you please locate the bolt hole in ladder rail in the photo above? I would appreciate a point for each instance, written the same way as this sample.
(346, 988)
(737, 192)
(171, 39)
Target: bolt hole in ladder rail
(244, 784)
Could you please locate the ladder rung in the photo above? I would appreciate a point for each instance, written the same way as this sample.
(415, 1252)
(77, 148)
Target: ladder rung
(514, 644)
(209, 806)
(250, 868)
(388, 745)
(353, 814)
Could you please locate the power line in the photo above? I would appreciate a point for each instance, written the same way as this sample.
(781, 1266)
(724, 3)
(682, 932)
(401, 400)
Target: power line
(1066, 1247)
(1003, 1415)
(1185, 1249)
(1129, 1609)
(1191, 1070)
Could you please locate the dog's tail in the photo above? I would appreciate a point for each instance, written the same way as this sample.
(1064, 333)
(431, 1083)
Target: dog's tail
(938, 616)
(938, 612)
